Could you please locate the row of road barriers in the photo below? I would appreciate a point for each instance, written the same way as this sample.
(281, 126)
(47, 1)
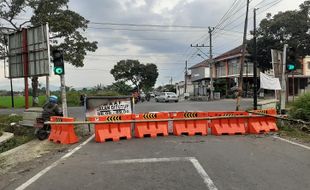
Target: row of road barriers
(126, 126)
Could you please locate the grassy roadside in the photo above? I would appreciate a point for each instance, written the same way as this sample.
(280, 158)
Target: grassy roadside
(19, 101)
(292, 131)
(21, 134)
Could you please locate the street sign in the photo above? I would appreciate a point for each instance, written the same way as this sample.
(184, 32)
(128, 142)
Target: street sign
(37, 51)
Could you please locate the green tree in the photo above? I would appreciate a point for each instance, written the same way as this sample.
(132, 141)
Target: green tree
(65, 26)
(140, 75)
(289, 27)
(120, 87)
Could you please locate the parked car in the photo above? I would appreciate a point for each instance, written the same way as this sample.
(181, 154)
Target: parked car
(167, 97)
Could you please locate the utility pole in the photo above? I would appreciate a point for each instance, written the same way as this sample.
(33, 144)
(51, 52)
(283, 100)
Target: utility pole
(283, 78)
(63, 95)
(185, 80)
(255, 63)
(211, 63)
(242, 57)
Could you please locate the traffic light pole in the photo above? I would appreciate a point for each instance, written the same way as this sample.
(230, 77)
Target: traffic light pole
(283, 79)
(63, 96)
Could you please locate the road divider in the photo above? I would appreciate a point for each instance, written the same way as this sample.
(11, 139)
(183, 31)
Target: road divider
(232, 125)
(151, 127)
(63, 133)
(189, 127)
(124, 126)
(112, 131)
(257, 125)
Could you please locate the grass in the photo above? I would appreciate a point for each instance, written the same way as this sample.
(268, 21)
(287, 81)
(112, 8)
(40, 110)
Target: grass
(19, 101)
(21, 134)
(292, 130)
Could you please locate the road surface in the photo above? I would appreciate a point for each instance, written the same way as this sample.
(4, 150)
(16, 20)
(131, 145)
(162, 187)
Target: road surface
(199, 162)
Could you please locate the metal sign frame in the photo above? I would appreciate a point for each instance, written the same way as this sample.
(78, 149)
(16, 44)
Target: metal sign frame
(37, 61)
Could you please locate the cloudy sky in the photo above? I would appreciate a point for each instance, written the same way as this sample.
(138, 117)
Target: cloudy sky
(159, 32)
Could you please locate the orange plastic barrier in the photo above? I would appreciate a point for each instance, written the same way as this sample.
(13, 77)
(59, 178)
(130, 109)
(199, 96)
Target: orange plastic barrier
(62, 133)
(151, 128)
(112, 131)
(229, 126)
(263, 124)
(189, 127)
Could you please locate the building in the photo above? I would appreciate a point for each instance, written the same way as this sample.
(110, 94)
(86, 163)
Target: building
(201, 78)
(227, 67)
(226, 72)
(180, 87)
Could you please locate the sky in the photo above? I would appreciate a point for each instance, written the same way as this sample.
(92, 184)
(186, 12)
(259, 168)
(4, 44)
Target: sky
(156, 31)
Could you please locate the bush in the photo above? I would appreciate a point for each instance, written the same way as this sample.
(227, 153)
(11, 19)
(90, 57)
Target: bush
(301, 108)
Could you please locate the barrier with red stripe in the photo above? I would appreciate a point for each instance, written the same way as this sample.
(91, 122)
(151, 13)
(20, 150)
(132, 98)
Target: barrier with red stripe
(112, 131)
(151, 128)
(189, 127)
(265, 124)
(228, 126)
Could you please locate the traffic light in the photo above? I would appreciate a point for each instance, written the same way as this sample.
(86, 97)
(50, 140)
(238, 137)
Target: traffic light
(292, 60)
(58, 59)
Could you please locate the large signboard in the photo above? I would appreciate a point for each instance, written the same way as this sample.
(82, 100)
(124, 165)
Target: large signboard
(108, 105)
(37, 50)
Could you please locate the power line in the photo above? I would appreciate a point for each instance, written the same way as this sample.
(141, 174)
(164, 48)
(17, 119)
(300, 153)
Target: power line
(149, 25)
(145, 30)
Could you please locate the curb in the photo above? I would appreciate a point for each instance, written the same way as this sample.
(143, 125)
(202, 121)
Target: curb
(5, 137)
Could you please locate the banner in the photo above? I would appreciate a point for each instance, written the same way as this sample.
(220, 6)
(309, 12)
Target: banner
(270, 83)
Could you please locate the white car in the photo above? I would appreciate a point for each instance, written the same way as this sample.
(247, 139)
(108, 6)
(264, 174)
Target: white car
(167, 97)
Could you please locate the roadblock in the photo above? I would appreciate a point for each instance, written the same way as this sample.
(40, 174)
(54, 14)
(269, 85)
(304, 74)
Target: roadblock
(62, 133)
(189, 127)
(228, 126)
(112, 131)
(116, 127)
(265, 124)
(151, 127)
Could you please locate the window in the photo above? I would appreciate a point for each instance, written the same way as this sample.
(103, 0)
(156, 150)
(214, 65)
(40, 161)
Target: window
(308, 65)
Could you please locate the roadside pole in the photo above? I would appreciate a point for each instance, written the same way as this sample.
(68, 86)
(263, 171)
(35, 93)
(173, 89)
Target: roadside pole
(255, 64)
(283, 79)
(211, 64)
(63, 96)
(185, 79)
(240, 85)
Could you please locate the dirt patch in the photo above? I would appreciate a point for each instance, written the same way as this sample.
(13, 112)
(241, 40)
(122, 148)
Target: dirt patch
(27, 152)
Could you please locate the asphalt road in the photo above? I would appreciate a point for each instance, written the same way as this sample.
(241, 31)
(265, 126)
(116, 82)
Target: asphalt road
(199, 162)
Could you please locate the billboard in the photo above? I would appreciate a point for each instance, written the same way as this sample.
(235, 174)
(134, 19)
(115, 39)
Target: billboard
(108, 105)
(37, 51)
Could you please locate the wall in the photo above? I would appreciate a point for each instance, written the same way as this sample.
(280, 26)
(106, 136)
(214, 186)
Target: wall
(200, 73)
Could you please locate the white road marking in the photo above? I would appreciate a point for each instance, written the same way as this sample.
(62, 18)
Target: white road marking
(203, 174)
(44, 171)
(291, 142)
(149, 160)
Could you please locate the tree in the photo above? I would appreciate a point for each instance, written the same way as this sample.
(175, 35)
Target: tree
(290, 27)
(65, 26)
(120, 87)
(140, 75)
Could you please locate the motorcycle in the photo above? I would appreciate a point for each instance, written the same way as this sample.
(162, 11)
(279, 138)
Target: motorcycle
(42, 131)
